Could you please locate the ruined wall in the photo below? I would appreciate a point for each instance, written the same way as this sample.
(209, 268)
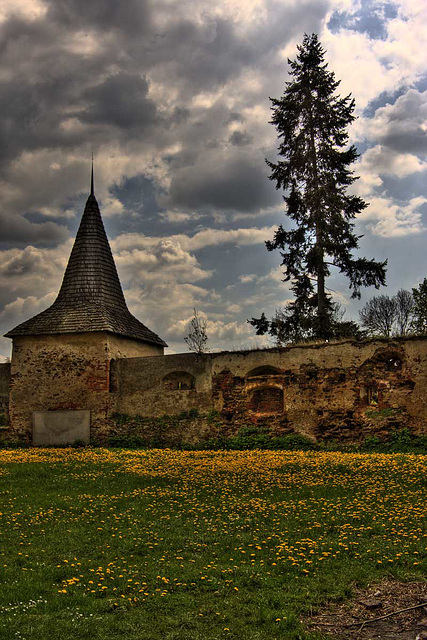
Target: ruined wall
(337, 391)
(341, 391)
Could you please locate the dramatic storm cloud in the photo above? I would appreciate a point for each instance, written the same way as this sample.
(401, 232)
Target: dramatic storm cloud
(172, 97)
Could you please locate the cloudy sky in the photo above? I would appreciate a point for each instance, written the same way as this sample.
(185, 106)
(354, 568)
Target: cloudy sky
(172, 96)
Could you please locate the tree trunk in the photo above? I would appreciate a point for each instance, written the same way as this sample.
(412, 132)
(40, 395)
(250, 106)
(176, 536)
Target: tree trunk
(322, 315)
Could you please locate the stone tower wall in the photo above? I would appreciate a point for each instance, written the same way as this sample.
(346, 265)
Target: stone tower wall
(65, 372)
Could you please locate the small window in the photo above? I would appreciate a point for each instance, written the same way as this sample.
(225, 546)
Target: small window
(179, 381)
(393, 364)
(369, 395)
(267, 400)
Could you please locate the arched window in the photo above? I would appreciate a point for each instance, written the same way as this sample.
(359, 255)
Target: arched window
(179, 381)
(266, 370)
(267, 400)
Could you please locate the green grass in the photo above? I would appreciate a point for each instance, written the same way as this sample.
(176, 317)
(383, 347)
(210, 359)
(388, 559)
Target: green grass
(205, 545)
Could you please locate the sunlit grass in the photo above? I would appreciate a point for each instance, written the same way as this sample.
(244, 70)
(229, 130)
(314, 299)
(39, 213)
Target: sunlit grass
(167, 544)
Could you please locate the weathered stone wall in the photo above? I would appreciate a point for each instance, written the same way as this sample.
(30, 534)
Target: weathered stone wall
(58, 372)
(341, 391)
(167, 385)
(66, 372)
(121, 347)
(4, 393)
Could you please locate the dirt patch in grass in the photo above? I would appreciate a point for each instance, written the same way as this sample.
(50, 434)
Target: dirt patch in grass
(356, 619)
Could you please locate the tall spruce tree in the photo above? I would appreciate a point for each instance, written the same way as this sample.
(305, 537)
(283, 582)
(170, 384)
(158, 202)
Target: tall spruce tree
(313, 170)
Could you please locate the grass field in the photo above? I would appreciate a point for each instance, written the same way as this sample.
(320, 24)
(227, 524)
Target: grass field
(176, 545)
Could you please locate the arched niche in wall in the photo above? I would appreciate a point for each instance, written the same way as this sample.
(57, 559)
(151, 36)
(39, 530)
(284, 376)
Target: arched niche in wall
(389, 359)
(266, 400)
(179, 381)
(266, 370)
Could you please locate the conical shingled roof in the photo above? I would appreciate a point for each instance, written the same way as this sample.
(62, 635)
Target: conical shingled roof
(91, 296)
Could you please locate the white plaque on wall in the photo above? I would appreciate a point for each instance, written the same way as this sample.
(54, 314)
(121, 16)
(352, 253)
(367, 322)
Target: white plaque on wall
(61, 427)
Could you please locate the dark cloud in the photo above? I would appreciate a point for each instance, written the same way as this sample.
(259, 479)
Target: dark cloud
(238, 184)
(31, 118)
(212, 54)
(235, 117)
(46, 83)
(131, 18)
(402, 125)
(240, 138)
(19, 231)
(121, 101)
(107, 88)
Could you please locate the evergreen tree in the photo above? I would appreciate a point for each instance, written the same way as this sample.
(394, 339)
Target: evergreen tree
(420, 308)
(313, 169)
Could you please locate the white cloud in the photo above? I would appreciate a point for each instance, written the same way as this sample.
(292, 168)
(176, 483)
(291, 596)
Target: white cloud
(393, 220)
(368, 67)
(29, 9)
(249, 277)
(163, 261)
(24, 308)
(32, 269)
(228, 334)
(354, 58)
(401, 126)
(200, 240)
(381, 161)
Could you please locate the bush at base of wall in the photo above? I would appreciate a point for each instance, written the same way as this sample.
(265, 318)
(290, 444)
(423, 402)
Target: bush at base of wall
(249, 437)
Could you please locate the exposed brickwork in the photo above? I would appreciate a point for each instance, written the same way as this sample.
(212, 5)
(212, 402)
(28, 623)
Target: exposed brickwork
(266, 401)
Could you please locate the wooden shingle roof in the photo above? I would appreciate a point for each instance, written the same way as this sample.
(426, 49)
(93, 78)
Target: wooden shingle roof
(91, 296)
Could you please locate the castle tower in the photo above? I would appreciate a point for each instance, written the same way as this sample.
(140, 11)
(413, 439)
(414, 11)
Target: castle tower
(62, 357)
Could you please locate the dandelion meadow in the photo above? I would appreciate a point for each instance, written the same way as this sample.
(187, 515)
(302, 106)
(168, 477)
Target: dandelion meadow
(100, 543)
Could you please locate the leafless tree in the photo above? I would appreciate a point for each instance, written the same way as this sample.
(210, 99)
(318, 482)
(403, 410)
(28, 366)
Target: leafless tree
(379, 315)
(197, 338)
(385, 316)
